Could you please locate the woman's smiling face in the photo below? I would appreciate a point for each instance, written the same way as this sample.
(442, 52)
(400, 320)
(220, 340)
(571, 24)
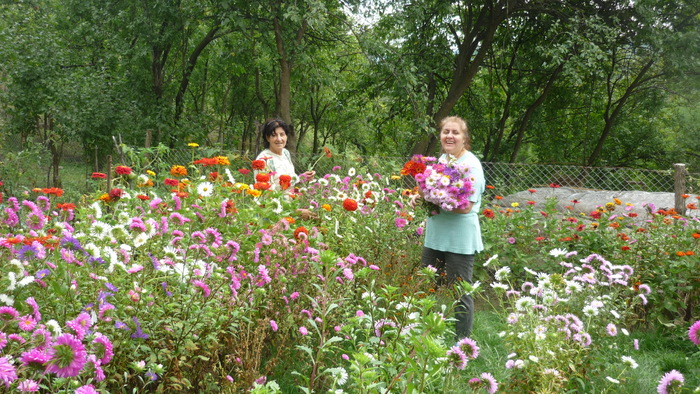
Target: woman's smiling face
(278, 140)
(452, 138)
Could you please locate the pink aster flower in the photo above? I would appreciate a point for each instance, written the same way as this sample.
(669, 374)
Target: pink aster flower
(34, 358)
(80, 324)
(694, 333)
(8, 373)
(490, 382)
(203, 286)
(8, 313)
(670, 382)
(105, 350)
(303, 330)
(469, 347)
(87, 389)
(28, 386)
(273, 324)
(612, 329)
(457, 358)
(27, 323)
(68, 356)
(400, 222)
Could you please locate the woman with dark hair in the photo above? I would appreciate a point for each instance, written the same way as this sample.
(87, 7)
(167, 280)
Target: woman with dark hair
(279, 162)
(452, 238)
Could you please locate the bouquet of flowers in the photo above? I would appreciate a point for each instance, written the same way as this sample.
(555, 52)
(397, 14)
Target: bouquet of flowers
(444, 182)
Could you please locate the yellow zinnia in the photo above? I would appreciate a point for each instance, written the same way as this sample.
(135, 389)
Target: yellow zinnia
(223, 160)
(254, 192)
(193, 145)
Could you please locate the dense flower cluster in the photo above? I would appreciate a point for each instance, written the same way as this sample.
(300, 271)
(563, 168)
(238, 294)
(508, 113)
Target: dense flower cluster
(443, 182)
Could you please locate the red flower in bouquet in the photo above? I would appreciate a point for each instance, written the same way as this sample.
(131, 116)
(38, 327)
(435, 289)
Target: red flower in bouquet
(414, 166)
(443, 182)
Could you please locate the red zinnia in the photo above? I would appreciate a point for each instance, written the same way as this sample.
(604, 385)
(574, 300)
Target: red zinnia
(115, 193)
(98, 175)
(262, 177)
(489, 213)
(261, 186)
(554, 185)
(207, 161)
(285, 181)
(244, 171)
(349, 204)
(65, 206)
(122, 170)
(625, 247)
(143, 197)
(258, 164)
(299, 231)
(53, 190)
(413, 168)
(171, 182)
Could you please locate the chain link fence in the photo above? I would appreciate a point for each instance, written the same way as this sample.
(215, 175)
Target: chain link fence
(507, 178)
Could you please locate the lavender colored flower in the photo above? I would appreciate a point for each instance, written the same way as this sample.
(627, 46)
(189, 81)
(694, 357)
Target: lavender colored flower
(68, 356)
(303, 330)
(28, 386)
(670, 382)
(139, 333)
(490, 382)
(273, 325)
(86, 389)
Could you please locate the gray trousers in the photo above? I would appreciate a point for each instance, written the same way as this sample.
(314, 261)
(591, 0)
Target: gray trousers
(451, 267)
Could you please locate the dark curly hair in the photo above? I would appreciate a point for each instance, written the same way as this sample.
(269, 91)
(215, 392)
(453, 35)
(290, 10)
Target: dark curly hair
(269, 128)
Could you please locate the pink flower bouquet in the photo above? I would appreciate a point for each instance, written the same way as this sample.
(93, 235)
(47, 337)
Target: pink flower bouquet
(444, 182)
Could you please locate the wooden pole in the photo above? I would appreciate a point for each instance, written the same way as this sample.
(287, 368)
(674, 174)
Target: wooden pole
(109, 173)
(679, 175)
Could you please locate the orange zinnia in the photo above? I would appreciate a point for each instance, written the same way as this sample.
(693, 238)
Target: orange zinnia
(258, 164)
(178, 170)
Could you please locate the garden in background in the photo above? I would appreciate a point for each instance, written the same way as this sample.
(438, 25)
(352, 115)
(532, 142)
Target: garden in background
(195, 277)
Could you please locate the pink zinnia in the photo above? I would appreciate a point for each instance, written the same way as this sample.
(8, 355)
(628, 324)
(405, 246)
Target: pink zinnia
(68, 356)
(694, 333)
(27, 323)
(8, 373)
(672, 380)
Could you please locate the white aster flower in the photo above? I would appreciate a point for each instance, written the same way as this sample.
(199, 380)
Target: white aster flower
(558, 252)
(630, 361)
(205, 189)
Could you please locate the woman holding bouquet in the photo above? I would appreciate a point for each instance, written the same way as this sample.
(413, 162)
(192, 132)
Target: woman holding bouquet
(453, 237)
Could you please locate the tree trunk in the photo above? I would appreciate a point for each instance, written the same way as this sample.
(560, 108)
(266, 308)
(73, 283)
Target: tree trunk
(611, 117)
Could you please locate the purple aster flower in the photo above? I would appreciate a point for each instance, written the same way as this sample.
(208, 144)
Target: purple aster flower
(68, 356)
(694, 333)
(70, 243)
(457, 358)
(138, 333)
(469, 347)
(152, 376)
(381, 323)
(165, 289)
(27, 252)
(511, 240)
(121, 325)
(8, 373)
(670, 382)
(42, 273)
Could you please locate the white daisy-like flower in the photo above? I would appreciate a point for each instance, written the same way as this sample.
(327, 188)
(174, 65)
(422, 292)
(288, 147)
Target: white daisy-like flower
(142, 179)
(524, 303)
(540, 332)
(101, 230)
(533, 358)
(54, 326)
(612, 379)
(25, 281)
(205, 189)
(502, 273)
(351, 171)
(92, 249)
(588, 310)
(558, 252)
(7, 300)
(492, 258)
(96, 209)
(499, 286)
(630, 361)
(141, 240)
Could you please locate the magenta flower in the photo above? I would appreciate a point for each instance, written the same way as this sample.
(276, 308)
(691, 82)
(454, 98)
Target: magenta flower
(670, 382)
(273, 324)
(68, 356)
(694, 333)
(419, 231)
(105, 350)
(203, 286)
(303, 330)
(8, 373)
(86, 389)
(28, 386)
(8, 313)
(35, 358)
(27, 323)
(400, 222)
(490, 382)
(511, 240)
(80, 324)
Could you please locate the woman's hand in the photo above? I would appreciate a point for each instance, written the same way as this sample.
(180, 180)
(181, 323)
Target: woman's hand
(465, 210)
(413, 200)
(308, 175)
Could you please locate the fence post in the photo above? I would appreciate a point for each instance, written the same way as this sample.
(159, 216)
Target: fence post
(679, 175)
